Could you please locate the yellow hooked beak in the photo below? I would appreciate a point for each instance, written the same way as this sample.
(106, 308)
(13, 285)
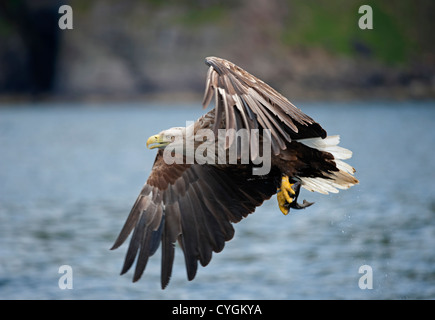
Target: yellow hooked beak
(157, 141)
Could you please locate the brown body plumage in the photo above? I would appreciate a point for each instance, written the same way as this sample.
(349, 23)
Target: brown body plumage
(196, 205)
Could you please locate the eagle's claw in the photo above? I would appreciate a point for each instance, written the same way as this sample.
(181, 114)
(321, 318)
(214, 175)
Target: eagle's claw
(288, 194)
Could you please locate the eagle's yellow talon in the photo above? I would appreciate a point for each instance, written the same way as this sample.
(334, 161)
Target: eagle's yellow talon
(282, 203)
(284, 195)
(286, 185)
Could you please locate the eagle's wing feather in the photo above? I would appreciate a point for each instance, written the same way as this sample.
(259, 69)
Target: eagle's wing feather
(194, 204)
(234, 87)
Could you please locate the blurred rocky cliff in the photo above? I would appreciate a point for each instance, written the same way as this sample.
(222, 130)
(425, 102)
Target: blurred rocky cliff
(145, 49)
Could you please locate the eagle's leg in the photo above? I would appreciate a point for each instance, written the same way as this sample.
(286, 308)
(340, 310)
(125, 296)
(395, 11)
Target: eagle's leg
(288, 194)
(285, 195)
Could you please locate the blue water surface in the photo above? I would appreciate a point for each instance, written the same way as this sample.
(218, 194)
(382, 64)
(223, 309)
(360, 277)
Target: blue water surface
(69, 174)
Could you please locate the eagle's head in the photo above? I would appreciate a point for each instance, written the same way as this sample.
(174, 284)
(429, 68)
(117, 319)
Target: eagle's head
(166, 137)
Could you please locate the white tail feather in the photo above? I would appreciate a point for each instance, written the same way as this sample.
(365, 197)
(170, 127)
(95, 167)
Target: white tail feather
(329, 144)
(318, 184)
(342, 179)
(343, 166)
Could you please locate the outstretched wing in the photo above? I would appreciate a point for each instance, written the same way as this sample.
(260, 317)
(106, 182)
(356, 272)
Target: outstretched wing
(194, 204)
(244, 101)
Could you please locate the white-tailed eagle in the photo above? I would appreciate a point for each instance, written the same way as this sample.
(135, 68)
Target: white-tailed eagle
(196, 203)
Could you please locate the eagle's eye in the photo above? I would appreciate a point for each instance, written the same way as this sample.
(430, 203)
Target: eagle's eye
(170, 138)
